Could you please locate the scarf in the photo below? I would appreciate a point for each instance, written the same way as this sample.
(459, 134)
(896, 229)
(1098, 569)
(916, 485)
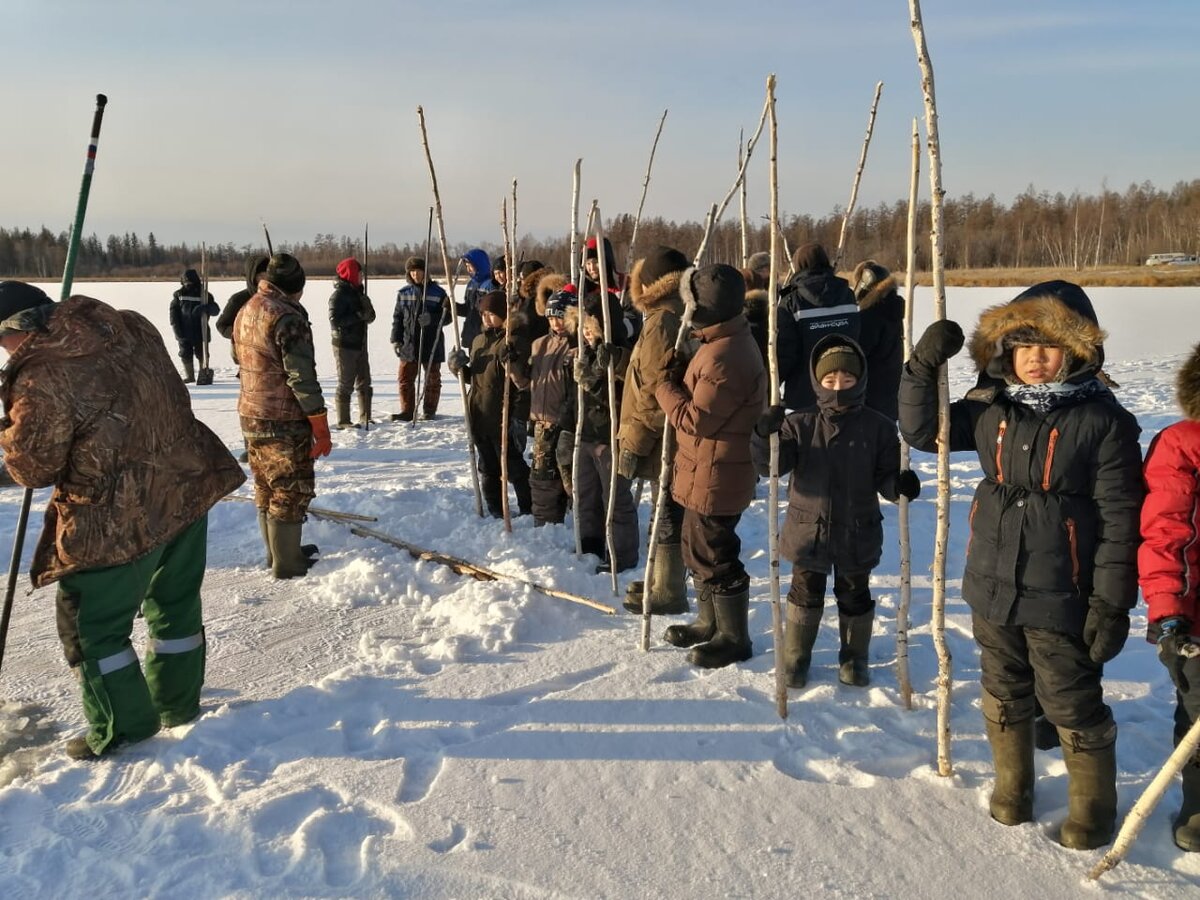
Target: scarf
(1044, 398)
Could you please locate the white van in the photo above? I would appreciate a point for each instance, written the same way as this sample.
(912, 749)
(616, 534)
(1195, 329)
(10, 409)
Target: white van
(1162, 259)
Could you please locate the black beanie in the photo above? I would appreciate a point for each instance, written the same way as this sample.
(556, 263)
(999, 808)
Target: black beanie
(285, 272)
(17, 296)
(660, 261)
(811, 257)
(839, 358)
(719, 292)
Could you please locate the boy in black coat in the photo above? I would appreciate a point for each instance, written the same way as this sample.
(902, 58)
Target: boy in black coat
(842, 457)
(1051, 570)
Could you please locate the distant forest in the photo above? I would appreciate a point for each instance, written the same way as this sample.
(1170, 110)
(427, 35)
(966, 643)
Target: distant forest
(1036, 229)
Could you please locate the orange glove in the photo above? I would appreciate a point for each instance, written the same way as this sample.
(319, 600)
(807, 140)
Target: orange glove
(320, 435)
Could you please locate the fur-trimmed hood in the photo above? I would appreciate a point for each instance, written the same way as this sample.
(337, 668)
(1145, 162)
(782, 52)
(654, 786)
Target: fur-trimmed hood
(662, 291)
(547, 285)
(1187, 385)
(1059, 312)
(878, 292)
(528, 285)
(757, 306)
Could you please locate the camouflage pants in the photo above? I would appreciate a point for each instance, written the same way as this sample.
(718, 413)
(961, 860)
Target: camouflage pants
(282, 466)
(545, 481)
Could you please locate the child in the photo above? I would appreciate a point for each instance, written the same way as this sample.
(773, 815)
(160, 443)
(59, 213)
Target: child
(547, 378)
(485, 403)
(842, 457)
(1169, 572)
(713, 406)
(1051, 570)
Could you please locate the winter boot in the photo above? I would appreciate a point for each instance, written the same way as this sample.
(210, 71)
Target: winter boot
(732, 641)
(1187, 824)
(856, 641)
(698, 631)
(524, 496)
(364, 405)
(189, 371)
(803, 625)
(287, 557)
(1010, 735)
(342, 405)
(668, 584)
(1091, 758)
(266, 535)
(492, 488)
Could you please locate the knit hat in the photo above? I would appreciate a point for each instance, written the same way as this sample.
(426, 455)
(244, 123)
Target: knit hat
(759, 262)
(494, 302)
(499, 264)
(839, 358)
(190, 277)
(15, 298)
(660, 261)
(867, 274)
(285, 272)
(561, 300)
(349, 270)
(718, 291)
(811, 257)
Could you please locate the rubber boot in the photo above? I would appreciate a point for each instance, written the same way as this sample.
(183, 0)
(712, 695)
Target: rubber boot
(364, 405)
(189, 371)
(1091, 758)
(266, 535)
(1010, 727)
(732, 641)
(698, 631)
(491, 488)
(342, 404)
(668, 584)
(1187, 823)
(524, 496)
(855, 632)
(287, 557)
(803, 625)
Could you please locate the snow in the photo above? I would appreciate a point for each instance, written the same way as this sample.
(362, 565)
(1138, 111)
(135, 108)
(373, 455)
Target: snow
(385, 727)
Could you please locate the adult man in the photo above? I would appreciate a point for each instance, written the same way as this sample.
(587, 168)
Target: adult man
(350, 312)
(189, 307)
(93, 407)
(282, 411)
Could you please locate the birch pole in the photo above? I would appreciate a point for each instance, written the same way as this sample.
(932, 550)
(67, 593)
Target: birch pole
(637, 221)
(1140, 813)
(937, 265)
(504, 422)
(205, 375)
(862, 162)
(781, 695)
(613, 424)
(574, 262)
(742, 206)
(719, 208)
(462, 382)
(903, 678)
(577, 453)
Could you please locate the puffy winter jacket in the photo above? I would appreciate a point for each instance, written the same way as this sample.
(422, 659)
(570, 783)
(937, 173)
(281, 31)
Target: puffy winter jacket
(813, 304)
(350, 312)
(881, 336)
(413, 339)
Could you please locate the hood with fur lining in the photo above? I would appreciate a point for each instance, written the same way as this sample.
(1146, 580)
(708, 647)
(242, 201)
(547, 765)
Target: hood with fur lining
(528, 285)
(1187, 386)
(549, 284)
(661, 291)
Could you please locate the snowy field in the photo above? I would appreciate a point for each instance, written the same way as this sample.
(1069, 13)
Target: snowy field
(386, 728)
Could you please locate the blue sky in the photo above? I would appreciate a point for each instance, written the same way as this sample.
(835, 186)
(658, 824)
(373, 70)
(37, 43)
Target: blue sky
(305, 112)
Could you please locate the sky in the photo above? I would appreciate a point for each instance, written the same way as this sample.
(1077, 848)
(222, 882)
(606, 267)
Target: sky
(303, 113)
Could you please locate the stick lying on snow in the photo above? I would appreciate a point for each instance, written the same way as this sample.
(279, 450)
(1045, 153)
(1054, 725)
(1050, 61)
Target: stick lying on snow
(318, 511)
(480, 573)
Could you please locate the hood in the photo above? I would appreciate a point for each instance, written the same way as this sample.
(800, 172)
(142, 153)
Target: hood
(1187, 386)
(79, 326)
(879, 292)
(663, 291)
(1060, 312)
(528, 285)
(758, 306)
(483, 266)
(549, 284)
(255, 266)
(350, 271)
(838, 400)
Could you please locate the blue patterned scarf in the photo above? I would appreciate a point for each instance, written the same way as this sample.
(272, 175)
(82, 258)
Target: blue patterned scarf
(1045, 398)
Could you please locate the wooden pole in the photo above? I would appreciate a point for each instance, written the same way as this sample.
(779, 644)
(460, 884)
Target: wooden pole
(462, 383)
(903, 679)
(422, 384)
(742, 206)
(205, 375)
(504, 418)
(1140, 813)
(937, 264)
(574, 264)
(719, 209)
(613, 424)
(645, 187)
(862, 162)
(781, 695)
(577, 453)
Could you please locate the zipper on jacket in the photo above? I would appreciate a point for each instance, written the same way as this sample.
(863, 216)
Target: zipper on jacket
(1049, 459)
(971, 527)
(1074, 552)
(999, 449)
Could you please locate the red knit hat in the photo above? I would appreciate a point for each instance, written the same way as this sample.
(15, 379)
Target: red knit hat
(349, 270)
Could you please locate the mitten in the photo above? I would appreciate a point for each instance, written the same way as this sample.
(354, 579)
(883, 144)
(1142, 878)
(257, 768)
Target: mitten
(424, 319)
(908, 484)
(1175, 639)
(458, 361)
(627, 464)
(771, 421)
(1104, 631)
(606, 353)
(398, 351)
(510, 353)
(321, 442)
(940, 341)
(674, 365)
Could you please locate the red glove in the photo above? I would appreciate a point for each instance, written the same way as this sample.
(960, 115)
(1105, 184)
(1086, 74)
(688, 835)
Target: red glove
(322, 443)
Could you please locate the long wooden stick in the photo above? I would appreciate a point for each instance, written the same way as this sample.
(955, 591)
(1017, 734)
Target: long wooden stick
(942, 531)
(719, 209)
(580, 400)
(462, 383)
(1140, 813)
(421, 385)
(781, 695)
(480, 573)
(315, 510)
(575, 262)
(742, 206)
(613, 424)
(637, 221)
(903, 678)
(862, 162)
(507, 393)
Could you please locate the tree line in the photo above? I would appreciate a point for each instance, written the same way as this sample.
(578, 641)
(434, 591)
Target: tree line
(1038, 229)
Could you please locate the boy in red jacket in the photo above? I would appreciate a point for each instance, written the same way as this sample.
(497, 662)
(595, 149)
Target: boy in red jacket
(1169, 574)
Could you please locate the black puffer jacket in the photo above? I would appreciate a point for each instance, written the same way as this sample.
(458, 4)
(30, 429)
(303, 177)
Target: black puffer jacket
(881, 336)
(813, 304)
(485, 374)
(1054, 523)
(841, 457)
(350, 312)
